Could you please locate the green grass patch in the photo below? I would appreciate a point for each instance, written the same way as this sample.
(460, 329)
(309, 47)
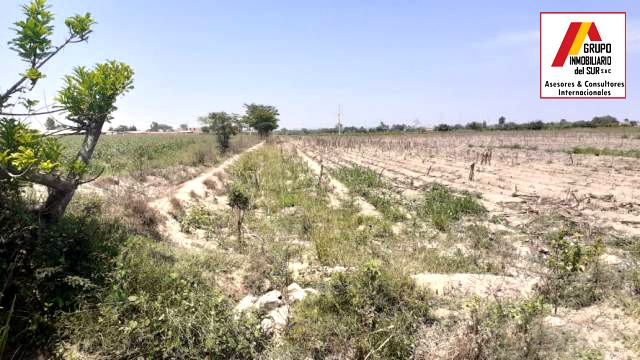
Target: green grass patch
(369, 313)
(125, 154)
(158, 304)
(440, 205)
(287, 202)
(589, 150)
(370, 185)
(433, 261)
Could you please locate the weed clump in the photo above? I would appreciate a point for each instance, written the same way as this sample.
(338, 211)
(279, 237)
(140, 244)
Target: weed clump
(369, 185)
(158, 304)
(504, 331)
(370, 313)
(574, 276)
(141, 217)
(48, 270)
(442, 207)
(199, 217)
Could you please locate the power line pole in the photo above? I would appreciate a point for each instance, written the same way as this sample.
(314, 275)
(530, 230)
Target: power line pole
(339, 120)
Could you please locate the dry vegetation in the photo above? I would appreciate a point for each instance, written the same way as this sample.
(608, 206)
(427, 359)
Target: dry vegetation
(379, 247)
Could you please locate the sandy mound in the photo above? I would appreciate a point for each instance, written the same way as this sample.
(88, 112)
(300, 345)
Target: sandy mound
(482, 285)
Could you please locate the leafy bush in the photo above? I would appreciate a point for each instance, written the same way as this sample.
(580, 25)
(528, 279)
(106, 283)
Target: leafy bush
(370, 312)
(48, 269)
(504, 331)
(158, 304)
(574, 275)
(442, 207)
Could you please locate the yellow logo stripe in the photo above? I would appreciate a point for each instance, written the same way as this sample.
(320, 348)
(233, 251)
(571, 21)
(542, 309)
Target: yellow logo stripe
(582, 34)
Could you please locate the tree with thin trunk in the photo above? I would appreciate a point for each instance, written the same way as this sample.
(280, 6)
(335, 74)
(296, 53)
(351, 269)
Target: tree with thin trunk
(86, 100)
(224, 125)
(263, 118)
(239, 201)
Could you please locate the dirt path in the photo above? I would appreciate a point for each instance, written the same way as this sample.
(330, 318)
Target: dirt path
(207, 187)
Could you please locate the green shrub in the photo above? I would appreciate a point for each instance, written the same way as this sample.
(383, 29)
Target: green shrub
(370, 312)
(442, 207)
(198, 217)
(574, 277)
(48, 269)
(158, 305)
(510, 330)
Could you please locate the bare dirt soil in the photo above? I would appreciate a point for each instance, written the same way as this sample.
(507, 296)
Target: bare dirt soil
(527, 175)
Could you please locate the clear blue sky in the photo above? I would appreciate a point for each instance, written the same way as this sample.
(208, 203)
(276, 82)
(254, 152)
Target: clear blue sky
(391, 61)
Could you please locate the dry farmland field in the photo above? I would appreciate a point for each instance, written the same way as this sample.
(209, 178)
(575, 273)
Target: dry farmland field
(357, 247)
(586, 176)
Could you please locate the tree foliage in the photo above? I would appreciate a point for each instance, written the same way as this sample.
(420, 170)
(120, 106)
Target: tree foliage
(124, 128)
(224, 125)
(263, 118)
(87, 100)
(155, 127)
(50, 124)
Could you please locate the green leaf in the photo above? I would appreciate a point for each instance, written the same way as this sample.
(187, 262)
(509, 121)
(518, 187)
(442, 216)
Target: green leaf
(80, 26)
(33, 74)
(32, 41)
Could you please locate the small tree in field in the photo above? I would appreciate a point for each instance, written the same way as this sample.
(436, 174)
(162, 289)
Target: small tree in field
(239, 202)
(263, 118)
(224, 125)
(87, 100)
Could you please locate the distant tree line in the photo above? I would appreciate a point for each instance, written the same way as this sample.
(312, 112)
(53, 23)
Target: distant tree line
(123, 128)
(596, 122)
(155, 127)
(380, 128)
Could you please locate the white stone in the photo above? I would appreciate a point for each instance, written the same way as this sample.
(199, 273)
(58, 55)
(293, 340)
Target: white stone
(270, 300)
(280, 317)
(275, 321)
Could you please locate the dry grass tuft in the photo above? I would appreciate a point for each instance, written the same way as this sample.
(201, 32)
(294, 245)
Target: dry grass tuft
(209, 183)
(141, 217)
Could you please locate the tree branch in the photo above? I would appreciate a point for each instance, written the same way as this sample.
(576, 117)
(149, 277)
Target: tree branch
(4, 97)
(50, 181)
(11, 175)
(34, 114)
(47, 180)
(92, 179)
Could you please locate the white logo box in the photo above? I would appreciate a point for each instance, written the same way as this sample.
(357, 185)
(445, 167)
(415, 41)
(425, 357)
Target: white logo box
(612, 29)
